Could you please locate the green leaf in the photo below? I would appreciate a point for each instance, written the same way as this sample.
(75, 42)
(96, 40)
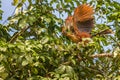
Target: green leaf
(48, 20)
(68, 1)
(44, 40)
(43, 58)
(65, 75)
(3, 74)
(23, 1)
(24, 63)
(15, 2)
(61, 69)
(3, 49)
(36, 64)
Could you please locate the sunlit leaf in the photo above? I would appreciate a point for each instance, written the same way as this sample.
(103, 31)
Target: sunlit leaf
(15, 2)
(24, 63)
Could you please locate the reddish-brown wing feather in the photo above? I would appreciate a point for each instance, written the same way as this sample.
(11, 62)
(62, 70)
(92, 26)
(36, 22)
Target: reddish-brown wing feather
(83, 13)
(83, 20)
(68, 29)
(68, 26)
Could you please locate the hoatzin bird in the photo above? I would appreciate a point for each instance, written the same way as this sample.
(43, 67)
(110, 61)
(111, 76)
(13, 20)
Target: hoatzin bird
(79, 25)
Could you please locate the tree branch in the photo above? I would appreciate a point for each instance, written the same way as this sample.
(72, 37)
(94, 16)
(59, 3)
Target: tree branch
(15, 36)
(106, 31)
(110, 55)
(102, 55)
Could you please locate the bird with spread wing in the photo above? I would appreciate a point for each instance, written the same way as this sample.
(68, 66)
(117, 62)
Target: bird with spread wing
(80, 25)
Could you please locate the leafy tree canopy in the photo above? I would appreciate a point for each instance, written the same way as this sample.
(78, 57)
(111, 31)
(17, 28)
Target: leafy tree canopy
(33, 48)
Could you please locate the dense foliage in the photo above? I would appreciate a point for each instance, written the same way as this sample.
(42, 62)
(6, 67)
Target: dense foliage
(33, 48)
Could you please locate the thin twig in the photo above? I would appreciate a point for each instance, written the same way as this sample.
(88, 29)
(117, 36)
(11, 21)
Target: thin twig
(115, 41)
